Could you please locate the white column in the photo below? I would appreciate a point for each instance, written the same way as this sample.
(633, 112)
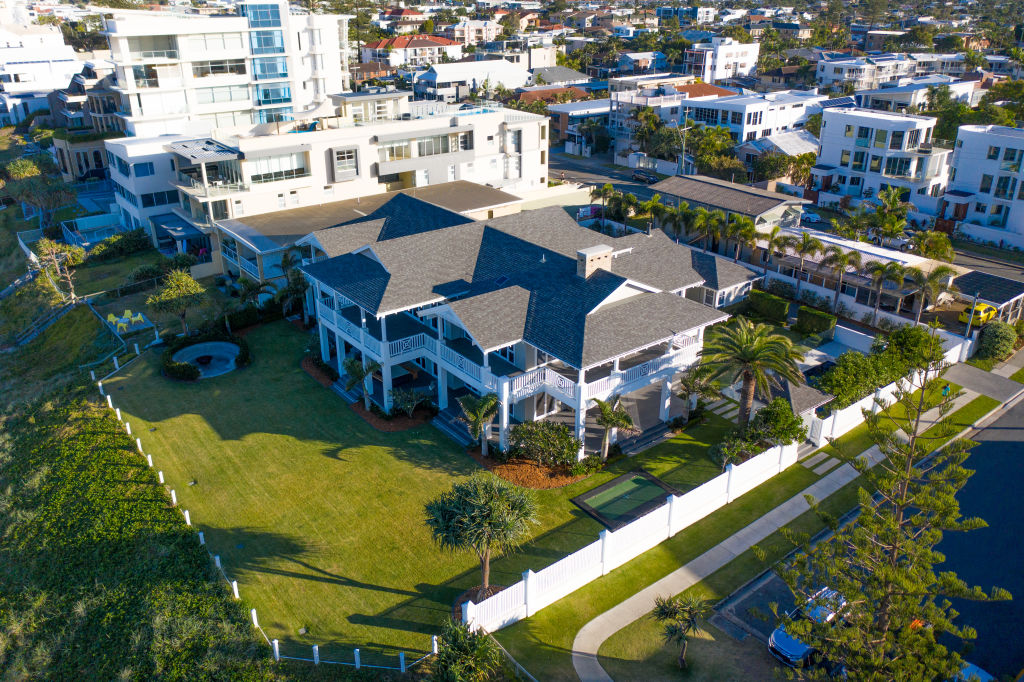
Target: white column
(310, 305)
(325, 349)
(442, 385)
(666, 400)
(339, 345)
(581, 424)
(385, 363)
(503, 415)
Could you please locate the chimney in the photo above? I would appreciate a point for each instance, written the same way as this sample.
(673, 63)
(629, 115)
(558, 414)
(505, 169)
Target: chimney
(593, 258)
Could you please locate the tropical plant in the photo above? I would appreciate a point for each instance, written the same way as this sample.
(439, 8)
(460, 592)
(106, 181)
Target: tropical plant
(289, 261)
(931, 286)
(358, 374)
(754, 354)
(805, 247)
(602, 193)
(932, 244)
(839, 261)
(484, 514)
(612, 416)
(683, 616)
(408, 399)
(776, 242)
(464, 654)
(178, 295)
(249, 291)
(880, 273)
(676, 218)
(477, 415)
(544, 442)
(708, 225)
(696, 384)
(742, 231)
(292, 292)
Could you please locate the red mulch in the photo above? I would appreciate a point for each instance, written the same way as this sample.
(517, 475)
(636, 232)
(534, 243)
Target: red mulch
(314, 371)
(470, 594)
(524, 472)
(420, 417)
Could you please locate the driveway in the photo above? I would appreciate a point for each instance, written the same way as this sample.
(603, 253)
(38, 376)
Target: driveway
(749, 610)
(980, 381)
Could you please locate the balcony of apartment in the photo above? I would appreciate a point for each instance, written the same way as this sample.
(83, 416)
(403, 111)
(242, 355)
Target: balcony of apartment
(211, 180)
(151, 48)
(245, 261)
(407, 337)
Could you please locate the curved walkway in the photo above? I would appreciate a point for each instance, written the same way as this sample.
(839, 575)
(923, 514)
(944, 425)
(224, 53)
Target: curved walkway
(592, 635)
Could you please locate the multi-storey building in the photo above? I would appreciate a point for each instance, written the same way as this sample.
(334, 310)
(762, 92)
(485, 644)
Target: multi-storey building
(864, 73)
(473, 32)
(177, 71)
(985, 197)
(34, 61)
(362, 145)
(907, 93)
(697, 15)
(411, 50)
(667, 97)
(720, 59)
(749, 117)
(865, 151)
(455, 82)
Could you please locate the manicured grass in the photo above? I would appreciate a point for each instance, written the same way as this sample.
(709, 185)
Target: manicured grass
(982, 363)
(90, 279)
(543, 643)
(318, 516)
(1018, 376)
(968, 415)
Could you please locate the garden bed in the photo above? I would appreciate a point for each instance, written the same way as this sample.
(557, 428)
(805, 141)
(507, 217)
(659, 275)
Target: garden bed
(525, 472)
(401, 422)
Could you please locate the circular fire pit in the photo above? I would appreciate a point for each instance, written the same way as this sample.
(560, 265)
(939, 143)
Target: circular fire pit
(211, 358)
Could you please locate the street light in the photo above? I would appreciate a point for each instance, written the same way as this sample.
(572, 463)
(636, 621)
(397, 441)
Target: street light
(967, 334)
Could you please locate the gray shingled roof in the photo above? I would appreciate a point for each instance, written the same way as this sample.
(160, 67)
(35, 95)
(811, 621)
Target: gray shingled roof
(729, 196)
(802, 398)
(559, 74)
(720, 273)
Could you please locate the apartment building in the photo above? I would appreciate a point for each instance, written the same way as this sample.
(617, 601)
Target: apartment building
(865, 151)
(363, 144)
(907, 93)
(34, 61)
(720, 59)
(864, 73)
(473, 32)
(668, 97)
(749, 117)
(411, 50)
(985, 197)
(455, 82)
(176, 71)
(686, 15)
(529, 54)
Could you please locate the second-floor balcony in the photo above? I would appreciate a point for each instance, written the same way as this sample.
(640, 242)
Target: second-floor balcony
(191, 183)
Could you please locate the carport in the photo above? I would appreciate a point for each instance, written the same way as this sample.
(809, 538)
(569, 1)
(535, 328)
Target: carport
(1005, 295)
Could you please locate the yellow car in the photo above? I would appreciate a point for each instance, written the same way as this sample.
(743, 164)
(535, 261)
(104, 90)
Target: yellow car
(983, 312)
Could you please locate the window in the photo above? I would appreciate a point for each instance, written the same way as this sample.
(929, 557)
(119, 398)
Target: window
(261, 16)
(855, 181)
(122, 192)
(276, 93)
(993, 152)
(280, 201)
(1005, 186)
(436, 144)
(395, 151)
(266, 42)
(143, 170)
(751, 136)
(346, 163)
(267, 68)
(844, 159)
(876, 164)
(980, 207)
(736, 118)
(897, 166)
(880, 138)
(913, 137)
(863, 134)
(986, 184)
(896, 141)
(848, 131)
(705, 115)
(159, 198)
(858, 161)
(225, 93)
(279, 167)
(219, 67)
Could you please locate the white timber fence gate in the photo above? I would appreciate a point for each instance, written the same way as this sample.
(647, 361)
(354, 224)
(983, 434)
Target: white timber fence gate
(614, 548)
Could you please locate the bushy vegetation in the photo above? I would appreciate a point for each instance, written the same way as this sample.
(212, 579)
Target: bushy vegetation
(997, 340)
(148, 271)
(120, 245)
(547, 443)
(774, 424)
(184, 371)
(768, 306)
(811, 321)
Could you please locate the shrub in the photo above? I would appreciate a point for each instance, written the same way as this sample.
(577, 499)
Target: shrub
(732, 450)
(769, 307)
(776, 424)
(120, 245)
(997, 340)
(543, 442)
(586, 466)
(813, 300)
(244, 317)
(182, 371)
(145, 272)
(782, 289)
(811, 321)
(182, 261)
(1018, 327)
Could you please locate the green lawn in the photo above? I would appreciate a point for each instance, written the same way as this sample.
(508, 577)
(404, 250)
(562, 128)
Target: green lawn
(1018, 376)
(985, 364)
(91, 279)
(318, 515)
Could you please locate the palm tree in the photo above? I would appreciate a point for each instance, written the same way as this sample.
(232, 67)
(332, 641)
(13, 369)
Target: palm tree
(485, 514)
(753, 353)
(249, 291)
(289, 261)
(880, 274)
(805, 247)
(708, 225)
(676, 218)
(358, 375)
(648, 122)
(683, 616)
(931, 286)
(743, 232)
(776, 242)
(477, 415)
(602, 193)
(612, 416)
(839, 261)
(292, 292)
(892, 202)
(696, 383)
(932, 244)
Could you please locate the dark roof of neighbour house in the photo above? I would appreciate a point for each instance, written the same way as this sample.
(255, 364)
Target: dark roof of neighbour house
(551, 94)
(719, 273)
(990, 288)
(559, 74)
(729, 196)
(802, 398)
(515, 278)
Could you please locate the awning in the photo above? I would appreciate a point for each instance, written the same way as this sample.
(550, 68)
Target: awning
(175, 226)
(200, 151)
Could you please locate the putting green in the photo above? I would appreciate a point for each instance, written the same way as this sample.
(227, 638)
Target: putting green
(622, 499)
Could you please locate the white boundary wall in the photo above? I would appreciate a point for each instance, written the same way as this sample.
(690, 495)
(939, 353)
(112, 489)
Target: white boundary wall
(615, 548)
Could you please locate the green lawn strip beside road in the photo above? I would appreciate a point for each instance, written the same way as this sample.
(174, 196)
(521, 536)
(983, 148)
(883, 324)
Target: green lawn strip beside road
(1018, 376)
(318, 515)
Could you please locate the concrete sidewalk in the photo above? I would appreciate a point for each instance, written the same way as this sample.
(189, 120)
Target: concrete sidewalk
(1011, 366)
(593, 634)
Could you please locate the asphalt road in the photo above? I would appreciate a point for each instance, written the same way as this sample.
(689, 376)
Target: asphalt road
(1005, 269)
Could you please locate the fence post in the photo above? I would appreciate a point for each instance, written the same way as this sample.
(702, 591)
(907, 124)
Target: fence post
(605, 551)
(160, 476)
(116, 366)
(255, 622)
(401, 661)
(528, 590)
(202, 538)
(876, 401)
(138, 443)
(188, 519)
(234, 589)
(357, 659)
(117, 413)
(174, 498)
(92, 374)
(100, 384)
(216, 560)
(137, 352)
(468, 613)
(433, 644)
(110, 402)
(671, 515)
(782, 451)
(728, 483)
(149, 460)
(277, 650)
(128, 428)
(316, 654)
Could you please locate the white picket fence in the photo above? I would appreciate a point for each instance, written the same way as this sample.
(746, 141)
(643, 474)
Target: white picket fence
(615, 548)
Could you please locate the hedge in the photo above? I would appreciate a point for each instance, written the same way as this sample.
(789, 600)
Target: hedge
(768, 306)
(548, 443)
(811, 321)
(184, 371)
(997, 340)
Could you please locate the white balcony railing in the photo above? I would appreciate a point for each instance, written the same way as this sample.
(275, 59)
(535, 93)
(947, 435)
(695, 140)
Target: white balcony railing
(542, 378)
(410, 344)
(461, 362)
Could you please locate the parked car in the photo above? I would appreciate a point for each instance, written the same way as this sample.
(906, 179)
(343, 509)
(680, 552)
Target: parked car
(812, 217)
(982, 313)
(823, 607)
(645, 176)
(898, 243)
(972, 673)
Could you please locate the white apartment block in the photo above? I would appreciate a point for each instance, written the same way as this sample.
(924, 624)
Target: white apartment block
(454, 82)
(472, 32)
(865, 151)
(720, 59)
(669, 97)
(178, 72)
(749, 117)
(369, 144)
(865, 73)
(35, 59)
(985, 197)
